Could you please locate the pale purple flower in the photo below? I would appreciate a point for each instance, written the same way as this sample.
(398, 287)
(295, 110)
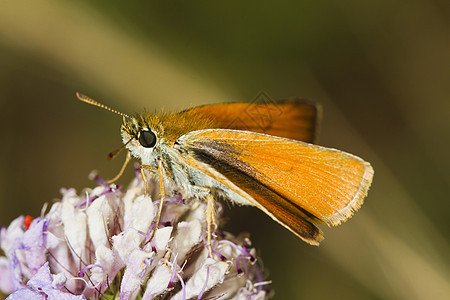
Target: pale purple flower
(43, 285)
(96, 245)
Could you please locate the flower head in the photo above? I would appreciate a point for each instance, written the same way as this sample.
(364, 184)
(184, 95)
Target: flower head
(97, 245)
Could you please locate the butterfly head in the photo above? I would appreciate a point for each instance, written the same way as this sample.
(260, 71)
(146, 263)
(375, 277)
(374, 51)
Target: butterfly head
(142, 136)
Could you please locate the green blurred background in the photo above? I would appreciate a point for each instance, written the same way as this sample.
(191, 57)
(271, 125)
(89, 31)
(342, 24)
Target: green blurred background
(380, 69)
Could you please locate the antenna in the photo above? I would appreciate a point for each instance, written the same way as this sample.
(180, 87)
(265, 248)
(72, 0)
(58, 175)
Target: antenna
(91, 101)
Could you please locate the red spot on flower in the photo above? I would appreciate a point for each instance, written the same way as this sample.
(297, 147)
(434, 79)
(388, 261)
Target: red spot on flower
(27, 222)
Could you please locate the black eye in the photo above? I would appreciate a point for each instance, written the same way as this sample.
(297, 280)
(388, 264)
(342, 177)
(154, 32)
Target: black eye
(147, 139)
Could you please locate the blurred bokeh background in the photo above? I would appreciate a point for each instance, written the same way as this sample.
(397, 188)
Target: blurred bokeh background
(380, 69)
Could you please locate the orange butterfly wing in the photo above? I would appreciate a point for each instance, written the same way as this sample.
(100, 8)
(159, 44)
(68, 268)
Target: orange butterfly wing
(296, 183)
(294, 118)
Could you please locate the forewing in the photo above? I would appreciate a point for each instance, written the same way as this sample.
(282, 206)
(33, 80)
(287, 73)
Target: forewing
(326, 185)
(290, 118)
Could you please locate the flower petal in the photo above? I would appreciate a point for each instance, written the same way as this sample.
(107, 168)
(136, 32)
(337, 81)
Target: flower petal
(106, 266)
(212, 273)
(99, 213)
(75, 227)
(11, 237)
(162, 237)
(126, 242)
(188, 235)
(139, 213)
(44, 283)
(134, 274)
(26, 294)
(158, 282)
(42, 279)
(34, 245)
(6, 284)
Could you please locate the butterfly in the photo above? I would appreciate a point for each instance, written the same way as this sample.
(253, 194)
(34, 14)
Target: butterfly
(257, 153)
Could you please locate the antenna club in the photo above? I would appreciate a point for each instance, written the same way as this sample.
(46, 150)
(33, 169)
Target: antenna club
(80, 96)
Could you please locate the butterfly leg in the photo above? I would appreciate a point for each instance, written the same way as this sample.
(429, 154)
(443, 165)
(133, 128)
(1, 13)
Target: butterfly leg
(150, 169)
(161, 191)
(160, 172)
(127, 160)
(144, 179)
(210, 220)
(210, 213)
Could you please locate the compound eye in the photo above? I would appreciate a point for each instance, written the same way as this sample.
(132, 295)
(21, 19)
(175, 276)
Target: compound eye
(147, 139)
